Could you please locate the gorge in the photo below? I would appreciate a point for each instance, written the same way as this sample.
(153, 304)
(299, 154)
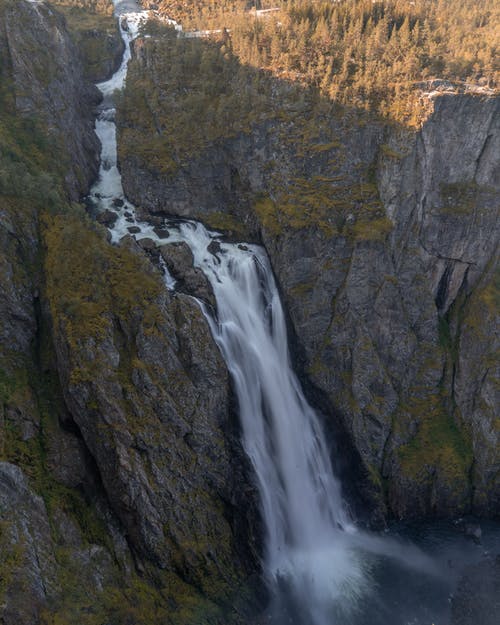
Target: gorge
(145, 402)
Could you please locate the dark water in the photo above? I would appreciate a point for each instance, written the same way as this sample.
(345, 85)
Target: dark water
(403, 591)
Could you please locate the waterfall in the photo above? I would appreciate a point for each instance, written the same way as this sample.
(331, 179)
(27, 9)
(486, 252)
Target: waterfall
(307, 526)
(313, 552)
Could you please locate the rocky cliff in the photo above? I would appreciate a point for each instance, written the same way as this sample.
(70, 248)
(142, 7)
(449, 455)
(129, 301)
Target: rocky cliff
(383, 241)
(121, 474)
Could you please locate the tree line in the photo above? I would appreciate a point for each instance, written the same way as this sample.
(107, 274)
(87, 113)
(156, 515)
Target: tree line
(365, 53)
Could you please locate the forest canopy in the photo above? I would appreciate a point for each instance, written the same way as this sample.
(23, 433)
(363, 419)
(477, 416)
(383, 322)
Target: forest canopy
(377, 55)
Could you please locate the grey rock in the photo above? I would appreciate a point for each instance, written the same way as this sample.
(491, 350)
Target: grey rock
(107, 218)
(51, 85)
(388, 325)
(179, 261)
(157, 422)
(27, 553)
(147, 244)
(161, 232)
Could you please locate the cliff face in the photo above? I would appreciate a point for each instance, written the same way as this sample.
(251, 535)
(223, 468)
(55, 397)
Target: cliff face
(46, 73)
(384, 245)
(121, 474)
(399, 332)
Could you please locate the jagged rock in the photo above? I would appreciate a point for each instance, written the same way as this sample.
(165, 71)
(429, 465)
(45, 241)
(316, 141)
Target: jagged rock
(161, 232)
(51, 86)
(27, 555)
(214, 247)
(155, 415)
(33, 575)
(179, 261)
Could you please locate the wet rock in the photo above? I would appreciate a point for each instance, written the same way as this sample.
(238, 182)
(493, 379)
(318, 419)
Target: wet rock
(161, 232)
(147, 244)
(134, 229)
(214, 247)
(107, 218)
(179, 261)
(118, 202)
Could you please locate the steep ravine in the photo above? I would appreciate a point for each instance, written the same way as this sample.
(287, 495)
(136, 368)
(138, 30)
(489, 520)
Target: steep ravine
(389, 285)
(124, 493)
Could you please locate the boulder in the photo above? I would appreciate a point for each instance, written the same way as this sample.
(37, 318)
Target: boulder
(191, 280)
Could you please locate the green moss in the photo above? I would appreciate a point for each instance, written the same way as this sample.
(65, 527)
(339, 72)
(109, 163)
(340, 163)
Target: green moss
(325, 147)
(387, 151)
(459, 198)
(439, 444)
(372, 230)
(225, 222)
(88, 280)
(96, 34)
(302, 289)
(324, 203)
(268, 214)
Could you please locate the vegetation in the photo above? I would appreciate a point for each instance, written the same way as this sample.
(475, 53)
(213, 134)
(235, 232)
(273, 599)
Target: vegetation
(292, 75)
(439, 445)
(51, 251)
(95, 32)
(87, 7)
(362, 53)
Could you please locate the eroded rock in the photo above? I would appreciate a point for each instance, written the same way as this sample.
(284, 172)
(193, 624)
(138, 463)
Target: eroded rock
(179, 261)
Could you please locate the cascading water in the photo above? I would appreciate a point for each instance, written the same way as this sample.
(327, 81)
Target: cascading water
(307, 543)
(313, 553)
(305, 518)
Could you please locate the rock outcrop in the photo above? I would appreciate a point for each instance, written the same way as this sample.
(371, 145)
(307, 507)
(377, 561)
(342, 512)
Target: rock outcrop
(121, 473)
(149, 392)
(383, 241)
(46, 81)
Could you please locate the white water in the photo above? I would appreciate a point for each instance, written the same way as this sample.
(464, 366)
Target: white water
(311, 547)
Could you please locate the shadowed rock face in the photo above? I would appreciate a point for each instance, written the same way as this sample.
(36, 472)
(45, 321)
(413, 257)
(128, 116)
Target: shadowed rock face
(179, 261)
(398, 332)
(122, 479)
(47, 81)
(151, 399)
(393, 316)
